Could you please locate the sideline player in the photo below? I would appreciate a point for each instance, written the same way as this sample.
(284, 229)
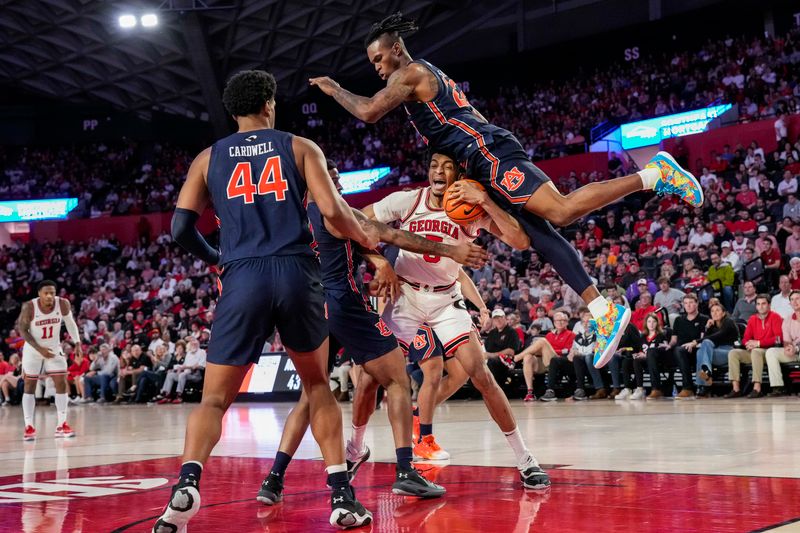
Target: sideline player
(257, 179)
(366, 338)
(430, 292)
(446, 121)
(39, 324)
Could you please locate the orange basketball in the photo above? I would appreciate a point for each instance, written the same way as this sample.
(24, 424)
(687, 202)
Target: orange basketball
(461, 212)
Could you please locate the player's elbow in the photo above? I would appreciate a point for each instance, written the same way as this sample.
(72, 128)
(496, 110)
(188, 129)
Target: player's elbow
(371, 115)
(520, 241)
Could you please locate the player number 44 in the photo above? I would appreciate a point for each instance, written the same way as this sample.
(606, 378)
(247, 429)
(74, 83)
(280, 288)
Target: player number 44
(270, 181)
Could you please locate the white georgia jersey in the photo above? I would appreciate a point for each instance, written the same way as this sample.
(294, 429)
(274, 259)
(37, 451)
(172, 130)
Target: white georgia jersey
(413, 210)
(46, 327)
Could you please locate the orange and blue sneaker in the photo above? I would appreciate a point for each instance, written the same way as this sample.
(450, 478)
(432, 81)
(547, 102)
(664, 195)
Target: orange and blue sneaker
(609, 328)
(676, 180)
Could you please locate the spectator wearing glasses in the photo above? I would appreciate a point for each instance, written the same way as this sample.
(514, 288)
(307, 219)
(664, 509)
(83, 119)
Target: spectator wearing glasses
(557, 355)
(556, 343)
(764, 330)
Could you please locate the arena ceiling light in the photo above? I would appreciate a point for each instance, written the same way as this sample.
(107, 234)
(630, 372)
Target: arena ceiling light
(149, 20)
(127, 21)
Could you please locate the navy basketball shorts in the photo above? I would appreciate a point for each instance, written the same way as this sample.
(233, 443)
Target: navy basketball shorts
(263, 293)
(357, 327)
(425, 345)
(503, 167)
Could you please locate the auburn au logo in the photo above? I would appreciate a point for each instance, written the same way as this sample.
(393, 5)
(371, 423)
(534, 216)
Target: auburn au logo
(420, 342)
(512, 179)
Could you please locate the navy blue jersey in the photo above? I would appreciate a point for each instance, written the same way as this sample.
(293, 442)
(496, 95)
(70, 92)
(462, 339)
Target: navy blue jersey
(335, 255)
(258, 194)
(448, 123)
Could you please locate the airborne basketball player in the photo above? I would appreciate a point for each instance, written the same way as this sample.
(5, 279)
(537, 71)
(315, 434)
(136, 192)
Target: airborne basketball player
(39, 324)
(443, 116)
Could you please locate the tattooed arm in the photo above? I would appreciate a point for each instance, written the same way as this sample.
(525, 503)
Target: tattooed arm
(465, 253)
(399, 88)
(24, 327)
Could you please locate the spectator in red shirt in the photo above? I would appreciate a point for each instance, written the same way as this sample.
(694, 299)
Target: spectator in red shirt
(666, 243)
(644, 306)
(592, 230)
(764, 330)
(648, 247)
(772, 262)
(642, 225)
(79, 367)
(557, 343)
(746, 198)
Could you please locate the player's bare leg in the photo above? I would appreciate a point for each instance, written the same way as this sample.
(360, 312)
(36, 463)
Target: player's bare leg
(63, 430)
(29, 406)
(470, 355)
(455, 379)
(220, 387)
(425, 446)
(389, 372)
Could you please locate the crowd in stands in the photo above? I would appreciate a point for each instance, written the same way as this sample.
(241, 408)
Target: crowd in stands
(551, 118)
(709, 288)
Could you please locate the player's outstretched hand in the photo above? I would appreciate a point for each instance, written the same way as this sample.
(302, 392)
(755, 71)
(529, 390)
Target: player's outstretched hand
(470, 255)
(386, 283)
(466, 191)
(326, 85)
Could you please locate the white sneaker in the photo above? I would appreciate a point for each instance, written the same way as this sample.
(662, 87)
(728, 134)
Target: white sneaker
(623, 395)
(638, 394)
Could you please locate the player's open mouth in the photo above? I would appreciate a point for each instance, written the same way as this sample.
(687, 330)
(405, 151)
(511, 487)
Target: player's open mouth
(439, 185)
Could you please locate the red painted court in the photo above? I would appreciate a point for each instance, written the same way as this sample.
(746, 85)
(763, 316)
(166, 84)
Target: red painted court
(479, 499)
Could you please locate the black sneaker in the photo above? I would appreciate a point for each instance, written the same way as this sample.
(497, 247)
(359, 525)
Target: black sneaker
(777, 391)
(352, 466)
(533, 477)
(580, 395)
(346, 511)
(549, 396)
(183, 505)
(271, 491)
(411, 483)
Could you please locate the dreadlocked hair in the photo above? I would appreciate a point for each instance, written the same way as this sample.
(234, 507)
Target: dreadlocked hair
(395, 25)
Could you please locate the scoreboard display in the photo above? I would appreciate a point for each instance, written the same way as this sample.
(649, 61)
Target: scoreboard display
(274, 372)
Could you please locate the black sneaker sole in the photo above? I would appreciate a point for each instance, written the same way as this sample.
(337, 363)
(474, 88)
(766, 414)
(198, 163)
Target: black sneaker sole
(536, 485)
(346, 518)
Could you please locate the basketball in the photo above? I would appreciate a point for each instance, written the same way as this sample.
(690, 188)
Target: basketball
(461, 212)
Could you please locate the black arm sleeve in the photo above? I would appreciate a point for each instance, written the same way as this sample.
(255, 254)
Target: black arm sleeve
(185, 233)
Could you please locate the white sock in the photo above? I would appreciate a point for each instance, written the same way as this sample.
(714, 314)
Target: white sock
(650, 177)
(28, 406)
(521, 451)
(61, 408)
(336, 468)
(357, 438)
(598, 307)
